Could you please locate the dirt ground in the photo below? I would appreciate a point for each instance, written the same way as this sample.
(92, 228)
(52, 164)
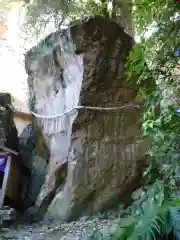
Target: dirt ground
(56, 230)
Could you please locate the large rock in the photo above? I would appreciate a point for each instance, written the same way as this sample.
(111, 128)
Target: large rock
(103, 152)
(36, 160)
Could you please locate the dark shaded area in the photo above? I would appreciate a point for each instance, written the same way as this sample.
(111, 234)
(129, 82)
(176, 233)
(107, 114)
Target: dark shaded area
(9, 134)
(35, 156)
(9, 138)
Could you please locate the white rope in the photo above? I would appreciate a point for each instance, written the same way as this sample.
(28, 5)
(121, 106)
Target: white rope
(83, 107)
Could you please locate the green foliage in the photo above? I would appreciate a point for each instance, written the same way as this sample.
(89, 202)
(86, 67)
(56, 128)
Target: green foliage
(149, 217)
(6, 5)
(98, 235)
(152, 13)
(39, 13)
(93, 7)
(154, 61)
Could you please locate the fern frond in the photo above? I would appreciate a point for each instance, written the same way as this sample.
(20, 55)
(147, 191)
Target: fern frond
(125, 229)
(175, 220)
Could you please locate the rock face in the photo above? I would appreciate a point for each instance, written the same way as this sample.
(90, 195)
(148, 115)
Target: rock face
(103, 152)
(36, 161)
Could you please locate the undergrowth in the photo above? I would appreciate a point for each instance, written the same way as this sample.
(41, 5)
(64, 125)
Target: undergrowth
(155, 60)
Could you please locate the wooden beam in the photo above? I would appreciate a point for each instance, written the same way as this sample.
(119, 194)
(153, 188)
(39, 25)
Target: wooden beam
(5, 179)
(23, 115)
(6, 149)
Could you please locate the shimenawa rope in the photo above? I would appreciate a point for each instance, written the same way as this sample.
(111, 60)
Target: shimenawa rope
(83, 107)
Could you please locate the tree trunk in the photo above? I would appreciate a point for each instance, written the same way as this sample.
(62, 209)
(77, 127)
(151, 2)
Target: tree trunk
(113, 15)
(122, 14)
(105, 8)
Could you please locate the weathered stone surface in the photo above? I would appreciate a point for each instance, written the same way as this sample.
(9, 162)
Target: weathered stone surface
(36, 161)
(106, 154)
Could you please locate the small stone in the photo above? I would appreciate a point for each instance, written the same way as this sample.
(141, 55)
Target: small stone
(26, 238)
(136, 194)
(8, 235)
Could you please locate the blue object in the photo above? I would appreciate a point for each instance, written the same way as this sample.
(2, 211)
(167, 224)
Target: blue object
(174, 214)
(177, 52)
(3, 162)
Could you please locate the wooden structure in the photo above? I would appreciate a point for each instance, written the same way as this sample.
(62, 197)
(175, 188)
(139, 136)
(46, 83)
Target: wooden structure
(10, 175)
(21, 120)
